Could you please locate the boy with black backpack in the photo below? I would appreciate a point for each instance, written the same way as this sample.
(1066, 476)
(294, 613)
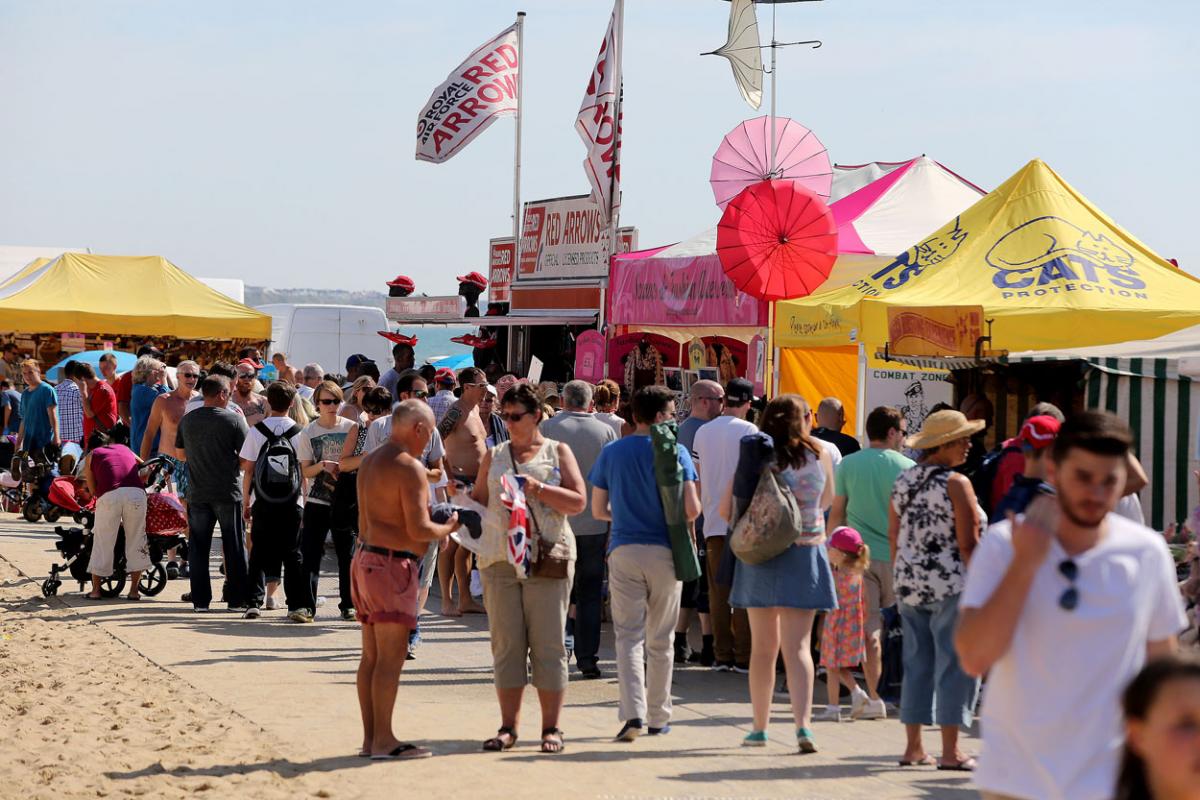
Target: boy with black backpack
(271, 476)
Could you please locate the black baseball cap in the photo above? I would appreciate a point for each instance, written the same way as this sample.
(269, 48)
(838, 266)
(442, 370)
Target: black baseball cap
(738, 392)
(358, 359)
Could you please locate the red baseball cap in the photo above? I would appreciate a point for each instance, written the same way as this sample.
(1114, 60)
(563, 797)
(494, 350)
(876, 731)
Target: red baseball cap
(446, 376)
(473, 278)
(1040, 431)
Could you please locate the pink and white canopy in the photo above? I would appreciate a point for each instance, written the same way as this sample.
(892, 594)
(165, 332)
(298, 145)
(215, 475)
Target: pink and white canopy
(910, 201)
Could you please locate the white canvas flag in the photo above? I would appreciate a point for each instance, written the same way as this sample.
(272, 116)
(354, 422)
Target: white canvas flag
(599, 121)
(480, 89)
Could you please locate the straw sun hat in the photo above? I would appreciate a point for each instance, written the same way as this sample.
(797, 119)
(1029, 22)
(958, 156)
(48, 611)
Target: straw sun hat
(942, 427)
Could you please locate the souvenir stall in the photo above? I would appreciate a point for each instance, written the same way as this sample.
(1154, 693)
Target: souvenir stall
(80, 302)
(674, 316)
(1031, 269)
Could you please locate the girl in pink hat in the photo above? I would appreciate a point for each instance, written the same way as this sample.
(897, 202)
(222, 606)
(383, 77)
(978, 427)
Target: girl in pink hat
(842, 641)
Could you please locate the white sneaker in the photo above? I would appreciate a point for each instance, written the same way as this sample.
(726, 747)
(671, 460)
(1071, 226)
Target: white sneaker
(873, 709)
(830, 714)
(271, 604)
(858, 699)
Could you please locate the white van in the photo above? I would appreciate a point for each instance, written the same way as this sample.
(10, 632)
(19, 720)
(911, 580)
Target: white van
(328, 334)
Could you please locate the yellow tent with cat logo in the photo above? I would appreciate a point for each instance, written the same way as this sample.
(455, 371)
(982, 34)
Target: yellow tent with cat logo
(1050, 269)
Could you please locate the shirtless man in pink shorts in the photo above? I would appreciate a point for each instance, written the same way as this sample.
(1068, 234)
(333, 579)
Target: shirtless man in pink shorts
(393, 527)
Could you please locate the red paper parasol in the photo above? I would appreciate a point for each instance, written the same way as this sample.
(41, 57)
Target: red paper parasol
(777, 241)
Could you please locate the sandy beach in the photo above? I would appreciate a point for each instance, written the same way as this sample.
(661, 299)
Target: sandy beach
(85, 715)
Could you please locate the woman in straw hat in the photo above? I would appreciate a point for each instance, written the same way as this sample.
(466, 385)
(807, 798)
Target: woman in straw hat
(934, 525)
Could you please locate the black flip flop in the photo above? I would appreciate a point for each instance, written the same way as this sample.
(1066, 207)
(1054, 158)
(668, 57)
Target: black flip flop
(403, 752)
(966, 765)
(927, 761)
(555, 737)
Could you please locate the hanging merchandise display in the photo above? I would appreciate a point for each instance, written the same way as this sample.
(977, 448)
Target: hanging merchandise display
(744, 52)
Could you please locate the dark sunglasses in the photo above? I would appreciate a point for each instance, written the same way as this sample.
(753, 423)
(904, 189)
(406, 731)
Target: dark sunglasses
(514, 417)
(420, 394)
(188, 375)
(328, 401)
(1069, 600)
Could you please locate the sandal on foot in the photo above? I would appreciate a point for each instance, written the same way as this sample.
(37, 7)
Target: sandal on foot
(403, 752)
(496, 744)
(966, 765)
(927, 761)
(552, 741)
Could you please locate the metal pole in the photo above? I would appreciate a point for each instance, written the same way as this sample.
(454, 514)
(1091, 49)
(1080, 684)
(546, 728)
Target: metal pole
(774, 44)
(516, 215)
(614, 208)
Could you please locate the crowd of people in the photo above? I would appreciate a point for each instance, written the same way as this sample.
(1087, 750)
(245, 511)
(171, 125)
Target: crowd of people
(543, 506)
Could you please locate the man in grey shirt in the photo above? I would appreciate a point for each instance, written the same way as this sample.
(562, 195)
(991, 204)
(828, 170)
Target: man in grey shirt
(575, 427)
(209, 440)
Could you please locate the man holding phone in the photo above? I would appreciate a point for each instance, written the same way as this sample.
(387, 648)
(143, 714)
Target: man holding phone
(1062, 607)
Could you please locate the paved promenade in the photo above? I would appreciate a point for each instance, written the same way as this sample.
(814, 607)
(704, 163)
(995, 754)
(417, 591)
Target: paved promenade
(291, 687)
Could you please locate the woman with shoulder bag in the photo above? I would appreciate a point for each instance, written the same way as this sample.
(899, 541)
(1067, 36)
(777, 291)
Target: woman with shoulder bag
(934, 524)
(783, 594)
(527, 616)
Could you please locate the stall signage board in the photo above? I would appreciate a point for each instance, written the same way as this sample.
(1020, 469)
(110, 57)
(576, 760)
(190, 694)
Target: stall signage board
(74, 342)
(934, 330)
(589, 357)
(502, 252)
(913, 391)
(679, 291)
(427, 309)
(567, 238)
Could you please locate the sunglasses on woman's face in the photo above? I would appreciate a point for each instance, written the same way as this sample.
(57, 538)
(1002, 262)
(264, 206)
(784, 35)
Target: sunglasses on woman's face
(327, 401)
(509, 417)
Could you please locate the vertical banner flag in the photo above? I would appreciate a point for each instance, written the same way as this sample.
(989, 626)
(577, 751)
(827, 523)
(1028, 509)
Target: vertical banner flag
(478, 91)
(599, 121)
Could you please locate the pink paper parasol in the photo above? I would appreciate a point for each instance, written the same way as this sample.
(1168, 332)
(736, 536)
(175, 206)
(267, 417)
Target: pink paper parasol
(777, 241)
(744, 157)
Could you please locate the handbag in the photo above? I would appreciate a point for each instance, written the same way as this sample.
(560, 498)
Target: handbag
(550, 559)
(770, 525)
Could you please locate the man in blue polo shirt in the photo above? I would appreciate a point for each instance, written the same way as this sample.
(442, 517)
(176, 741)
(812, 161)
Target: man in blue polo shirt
(641, 571)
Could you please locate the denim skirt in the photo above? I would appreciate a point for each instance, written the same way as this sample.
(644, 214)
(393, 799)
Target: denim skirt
(799, 577)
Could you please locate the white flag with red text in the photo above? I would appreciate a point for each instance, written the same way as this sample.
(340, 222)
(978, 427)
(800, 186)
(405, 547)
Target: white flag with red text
(599, 120)
(480, 89)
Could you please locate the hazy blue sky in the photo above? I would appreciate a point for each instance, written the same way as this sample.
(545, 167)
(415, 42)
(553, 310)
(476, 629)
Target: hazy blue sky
(273, 140)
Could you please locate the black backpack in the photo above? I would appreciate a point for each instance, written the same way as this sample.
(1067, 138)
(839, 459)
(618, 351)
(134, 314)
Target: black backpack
(984, 476)
(277, 477)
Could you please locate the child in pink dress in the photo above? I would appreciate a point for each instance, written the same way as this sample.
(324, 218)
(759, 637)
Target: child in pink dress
(842, 639)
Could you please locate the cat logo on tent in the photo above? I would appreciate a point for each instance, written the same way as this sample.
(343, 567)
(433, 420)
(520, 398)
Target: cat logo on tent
(913, 261)
(1050, 253)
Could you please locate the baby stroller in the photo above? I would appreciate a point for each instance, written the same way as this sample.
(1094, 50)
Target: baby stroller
(33, 472)
(166, 522)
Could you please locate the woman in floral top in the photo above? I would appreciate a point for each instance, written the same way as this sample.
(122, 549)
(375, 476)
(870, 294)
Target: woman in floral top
(934, 525)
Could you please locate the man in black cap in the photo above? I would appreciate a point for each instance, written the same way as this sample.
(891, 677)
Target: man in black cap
(715, 452)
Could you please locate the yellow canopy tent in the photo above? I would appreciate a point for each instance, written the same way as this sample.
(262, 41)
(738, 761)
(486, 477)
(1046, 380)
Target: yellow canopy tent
(1047, 266)
(123, 295)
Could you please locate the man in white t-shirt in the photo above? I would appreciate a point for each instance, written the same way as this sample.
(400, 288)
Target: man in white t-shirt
(715, 452)
(1062, 607)
(274, 537)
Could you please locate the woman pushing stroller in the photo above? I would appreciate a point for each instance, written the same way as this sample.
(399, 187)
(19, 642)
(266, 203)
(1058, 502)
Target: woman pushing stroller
(111, 473)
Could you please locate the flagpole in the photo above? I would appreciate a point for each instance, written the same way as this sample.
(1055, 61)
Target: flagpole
(516, 215)
(614, 200)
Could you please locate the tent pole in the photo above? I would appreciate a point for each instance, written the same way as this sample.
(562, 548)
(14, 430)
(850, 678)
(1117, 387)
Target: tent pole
(860, 413)
(516, 214)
